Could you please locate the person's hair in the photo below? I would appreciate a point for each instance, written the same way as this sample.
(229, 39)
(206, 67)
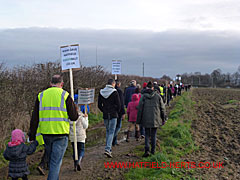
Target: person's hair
(111, 81)
(118, 82)
(150, 84)
(57, 79)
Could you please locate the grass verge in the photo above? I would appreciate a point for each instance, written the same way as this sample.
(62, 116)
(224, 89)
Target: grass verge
(175, 141)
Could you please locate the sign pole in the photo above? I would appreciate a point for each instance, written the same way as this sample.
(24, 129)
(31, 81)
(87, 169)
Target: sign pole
(166, 82)
(115, 77)
(85, 112)
(74, 122)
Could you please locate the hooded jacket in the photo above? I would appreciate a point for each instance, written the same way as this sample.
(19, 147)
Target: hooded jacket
(17, 157)
(109, 102)
(132, 108)
(151, 110)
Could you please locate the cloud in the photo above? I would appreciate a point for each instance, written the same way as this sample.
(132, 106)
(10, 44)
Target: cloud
(168, 52)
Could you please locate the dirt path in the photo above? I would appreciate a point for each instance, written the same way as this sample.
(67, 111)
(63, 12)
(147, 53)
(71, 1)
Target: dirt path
(93, 163)
(216, 131)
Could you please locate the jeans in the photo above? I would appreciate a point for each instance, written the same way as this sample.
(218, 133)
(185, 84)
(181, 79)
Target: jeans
(80, 149)
(142, 130)
(110, 130)
(150, 132)
(118, 127)
(55, 148)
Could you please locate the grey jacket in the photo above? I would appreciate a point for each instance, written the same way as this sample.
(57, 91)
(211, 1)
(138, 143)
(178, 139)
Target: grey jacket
(17, 157)
(151, 110)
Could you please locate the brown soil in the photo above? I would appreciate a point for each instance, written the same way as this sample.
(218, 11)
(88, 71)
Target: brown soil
(216, 132)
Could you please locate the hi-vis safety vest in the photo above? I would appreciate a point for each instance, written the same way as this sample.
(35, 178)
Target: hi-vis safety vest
(161, 90)
(53, 117)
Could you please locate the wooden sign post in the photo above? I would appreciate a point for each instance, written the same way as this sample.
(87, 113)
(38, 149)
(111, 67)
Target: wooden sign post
(70, 60)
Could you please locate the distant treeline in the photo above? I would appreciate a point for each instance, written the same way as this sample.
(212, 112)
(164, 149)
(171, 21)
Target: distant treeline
(215, 79)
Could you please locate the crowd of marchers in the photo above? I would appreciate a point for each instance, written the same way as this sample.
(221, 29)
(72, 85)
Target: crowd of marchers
(52, 123)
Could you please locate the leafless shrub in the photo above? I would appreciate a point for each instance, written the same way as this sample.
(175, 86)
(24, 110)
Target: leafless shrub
(21, 85)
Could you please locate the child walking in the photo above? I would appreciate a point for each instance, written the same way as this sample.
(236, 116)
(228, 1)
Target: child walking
(81, 126)
(132, 116)
(16, 152)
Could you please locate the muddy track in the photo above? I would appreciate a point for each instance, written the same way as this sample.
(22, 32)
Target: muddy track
(216, 132)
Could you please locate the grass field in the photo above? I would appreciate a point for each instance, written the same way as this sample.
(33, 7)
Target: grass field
(174, 141)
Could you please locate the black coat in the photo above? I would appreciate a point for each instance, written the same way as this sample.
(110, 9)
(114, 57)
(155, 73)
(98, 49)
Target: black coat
(17, 156)
(109, 106)
(121, 98)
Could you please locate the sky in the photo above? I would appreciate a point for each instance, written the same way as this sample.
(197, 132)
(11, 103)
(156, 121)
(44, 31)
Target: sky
(170, 37)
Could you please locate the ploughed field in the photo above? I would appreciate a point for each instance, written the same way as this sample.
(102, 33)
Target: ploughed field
(216, 130)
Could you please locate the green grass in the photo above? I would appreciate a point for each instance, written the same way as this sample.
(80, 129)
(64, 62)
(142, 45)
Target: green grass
(232, 101)
(175, 143)
(94, 118)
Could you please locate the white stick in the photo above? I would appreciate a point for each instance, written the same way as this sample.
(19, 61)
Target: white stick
(74, 123)
(115, 76)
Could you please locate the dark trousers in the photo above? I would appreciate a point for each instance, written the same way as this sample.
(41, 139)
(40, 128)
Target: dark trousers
(23, 178)
(80, 149)
(150, 132)
(142, 131)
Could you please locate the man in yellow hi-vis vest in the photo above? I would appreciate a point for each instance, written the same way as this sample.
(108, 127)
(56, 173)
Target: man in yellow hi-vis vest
(53, 109)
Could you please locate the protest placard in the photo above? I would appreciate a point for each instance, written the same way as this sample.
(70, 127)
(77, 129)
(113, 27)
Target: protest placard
(86, 96)
(70, 57)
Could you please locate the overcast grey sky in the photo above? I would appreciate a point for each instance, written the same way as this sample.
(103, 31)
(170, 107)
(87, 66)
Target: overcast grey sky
(170, 37)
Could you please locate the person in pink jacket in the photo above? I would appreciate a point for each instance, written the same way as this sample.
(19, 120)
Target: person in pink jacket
(132, 116)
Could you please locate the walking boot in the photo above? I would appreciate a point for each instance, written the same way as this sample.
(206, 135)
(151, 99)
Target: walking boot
(128, 135)
(137, 135)
(75, 166)
(79, 167)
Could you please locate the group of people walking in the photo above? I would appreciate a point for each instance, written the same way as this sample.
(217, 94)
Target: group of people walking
(145, 112)
(54, 107)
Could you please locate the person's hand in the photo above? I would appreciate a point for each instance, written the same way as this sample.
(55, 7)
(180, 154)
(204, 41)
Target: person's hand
(163, 122)
(123, 116)
(85, 115)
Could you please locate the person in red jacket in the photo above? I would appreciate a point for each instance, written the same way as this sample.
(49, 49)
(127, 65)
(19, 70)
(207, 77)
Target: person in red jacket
(132, 116)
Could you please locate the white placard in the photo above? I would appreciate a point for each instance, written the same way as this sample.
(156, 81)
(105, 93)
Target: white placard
(86, 96)
(70, 57)
(116, 66)
(179, 78)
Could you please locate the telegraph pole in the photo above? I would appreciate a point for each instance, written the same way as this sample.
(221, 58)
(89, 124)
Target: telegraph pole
(96, 58)
(143, 69)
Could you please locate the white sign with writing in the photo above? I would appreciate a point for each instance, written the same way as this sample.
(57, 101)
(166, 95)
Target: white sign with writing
(116, 66)
(70, 57)
(86, 96)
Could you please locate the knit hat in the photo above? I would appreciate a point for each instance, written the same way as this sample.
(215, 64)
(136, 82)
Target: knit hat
(18, 137)
(144, 84)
